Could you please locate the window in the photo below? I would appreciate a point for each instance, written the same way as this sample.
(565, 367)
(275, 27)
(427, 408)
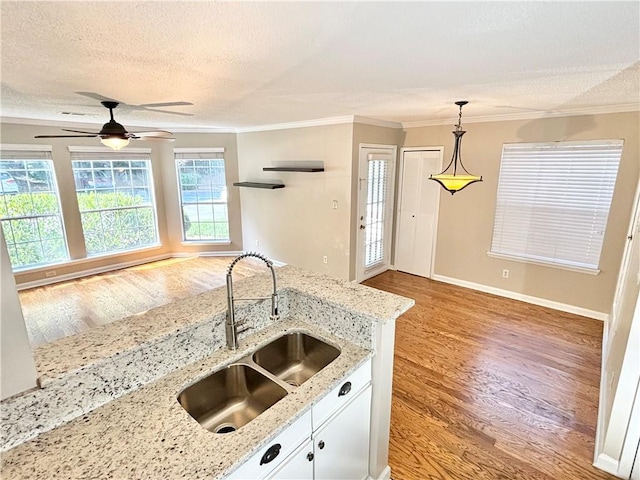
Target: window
(553, 202)
(203, 194)
(377, 193)
(115, 198)
(30, 207)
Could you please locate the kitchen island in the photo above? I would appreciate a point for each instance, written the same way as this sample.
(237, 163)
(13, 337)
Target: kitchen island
(108, 404)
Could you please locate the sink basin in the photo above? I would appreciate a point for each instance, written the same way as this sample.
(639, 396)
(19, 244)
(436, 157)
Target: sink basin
(230, 398)
(296, 357)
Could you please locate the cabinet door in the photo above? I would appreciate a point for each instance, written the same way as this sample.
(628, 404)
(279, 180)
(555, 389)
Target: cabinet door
(299, 466)
(341, 446)
(276, 452)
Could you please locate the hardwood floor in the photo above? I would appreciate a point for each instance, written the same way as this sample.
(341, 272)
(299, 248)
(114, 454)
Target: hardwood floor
(490, 388)
(55, 311)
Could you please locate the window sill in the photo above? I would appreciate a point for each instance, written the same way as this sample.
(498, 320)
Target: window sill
(80, 261)
(196, 243)
(588, 271)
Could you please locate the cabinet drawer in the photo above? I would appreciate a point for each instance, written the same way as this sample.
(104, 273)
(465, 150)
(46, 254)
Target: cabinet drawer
(342, 394)
(267, 458)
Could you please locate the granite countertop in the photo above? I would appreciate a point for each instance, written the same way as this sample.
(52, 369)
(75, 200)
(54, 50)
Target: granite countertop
(147, 434)
(108, 403)
(70, 354)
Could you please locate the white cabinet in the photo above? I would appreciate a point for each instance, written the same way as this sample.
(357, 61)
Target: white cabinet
(330, 442)
(341, 446)
(276, 452)
(298, 466)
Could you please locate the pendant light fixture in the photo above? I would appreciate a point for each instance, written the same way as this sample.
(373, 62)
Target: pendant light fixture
(451, 180)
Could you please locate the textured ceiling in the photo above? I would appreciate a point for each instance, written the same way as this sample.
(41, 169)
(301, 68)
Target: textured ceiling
(247, 64)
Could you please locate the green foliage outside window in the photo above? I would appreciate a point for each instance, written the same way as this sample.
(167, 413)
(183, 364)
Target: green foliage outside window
(24, 235)
(105, 231)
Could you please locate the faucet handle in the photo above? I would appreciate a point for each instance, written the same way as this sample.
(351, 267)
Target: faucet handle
(244, 328)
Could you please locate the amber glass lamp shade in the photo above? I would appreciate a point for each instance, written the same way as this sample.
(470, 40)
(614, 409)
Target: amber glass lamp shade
(450, 179)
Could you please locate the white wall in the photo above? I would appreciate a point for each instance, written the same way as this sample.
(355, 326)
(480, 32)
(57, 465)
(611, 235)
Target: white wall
(297, 224)
(465, 224)
(17, 368)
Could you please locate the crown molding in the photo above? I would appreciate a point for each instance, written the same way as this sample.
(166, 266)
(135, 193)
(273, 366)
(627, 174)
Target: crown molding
(202, 129)
(628, 107)
(376, 122)
(63, 124)
(318, 122)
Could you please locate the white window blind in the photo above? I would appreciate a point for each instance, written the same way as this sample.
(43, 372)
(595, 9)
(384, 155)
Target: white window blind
(553, 201)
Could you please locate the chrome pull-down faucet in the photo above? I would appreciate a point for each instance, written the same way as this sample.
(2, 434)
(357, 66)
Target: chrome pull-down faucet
(231, 327)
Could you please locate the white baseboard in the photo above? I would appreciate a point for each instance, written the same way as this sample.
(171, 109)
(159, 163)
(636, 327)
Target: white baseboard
(117, 266)
(543, 302)
(606, 463)
(91, 271)
(228, 253)
(385, 475)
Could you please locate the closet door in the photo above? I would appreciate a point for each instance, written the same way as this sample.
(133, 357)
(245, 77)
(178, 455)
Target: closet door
(418, 212)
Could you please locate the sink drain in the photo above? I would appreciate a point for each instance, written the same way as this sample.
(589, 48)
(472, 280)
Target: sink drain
(225, 428)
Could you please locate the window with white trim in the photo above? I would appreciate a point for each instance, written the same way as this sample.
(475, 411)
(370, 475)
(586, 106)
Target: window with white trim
(553, 202)
(115, 198)
(203, 194)
(30, 210)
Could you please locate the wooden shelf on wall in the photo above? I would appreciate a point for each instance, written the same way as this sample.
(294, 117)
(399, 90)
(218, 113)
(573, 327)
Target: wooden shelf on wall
(293, 169)
(269, 186)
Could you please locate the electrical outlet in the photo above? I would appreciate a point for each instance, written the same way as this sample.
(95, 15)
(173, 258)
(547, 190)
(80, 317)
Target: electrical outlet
(325, 259)
(335, 204)
(50, 273)
(505, 273)
(257, 243)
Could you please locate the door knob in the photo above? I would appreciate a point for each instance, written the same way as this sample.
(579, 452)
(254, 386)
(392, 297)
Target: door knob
(362, 227)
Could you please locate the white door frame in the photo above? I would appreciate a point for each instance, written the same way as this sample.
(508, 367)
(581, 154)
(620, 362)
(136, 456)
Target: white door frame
(388, 229)
(437, 211)
(626, 401)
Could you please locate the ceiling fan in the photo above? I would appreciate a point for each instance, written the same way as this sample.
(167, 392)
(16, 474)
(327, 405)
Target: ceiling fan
(147, 107)
(114, 135)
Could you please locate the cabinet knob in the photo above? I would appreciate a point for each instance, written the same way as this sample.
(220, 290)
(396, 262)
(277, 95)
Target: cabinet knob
(310, 456)
(271, 453)
(321, 444)
(346, 388)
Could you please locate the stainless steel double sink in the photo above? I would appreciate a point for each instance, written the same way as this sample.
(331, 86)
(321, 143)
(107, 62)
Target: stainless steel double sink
(232, 397)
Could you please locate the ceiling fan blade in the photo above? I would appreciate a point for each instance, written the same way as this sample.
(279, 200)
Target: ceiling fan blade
(152, 133)
(167, 111)
(66, 136)
(97, 96)
(165, 104)
(155, 139)
(80, 131)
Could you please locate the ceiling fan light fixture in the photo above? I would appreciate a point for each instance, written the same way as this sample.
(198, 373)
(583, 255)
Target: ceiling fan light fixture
(115, 142)
(449, 178)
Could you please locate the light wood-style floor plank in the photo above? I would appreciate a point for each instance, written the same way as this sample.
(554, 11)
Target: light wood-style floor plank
(67, 308)
(490, 388)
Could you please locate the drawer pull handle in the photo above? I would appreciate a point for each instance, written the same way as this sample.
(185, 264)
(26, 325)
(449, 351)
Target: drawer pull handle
(321, 444)
(310, 456)
(346, 388)
(270, 454)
